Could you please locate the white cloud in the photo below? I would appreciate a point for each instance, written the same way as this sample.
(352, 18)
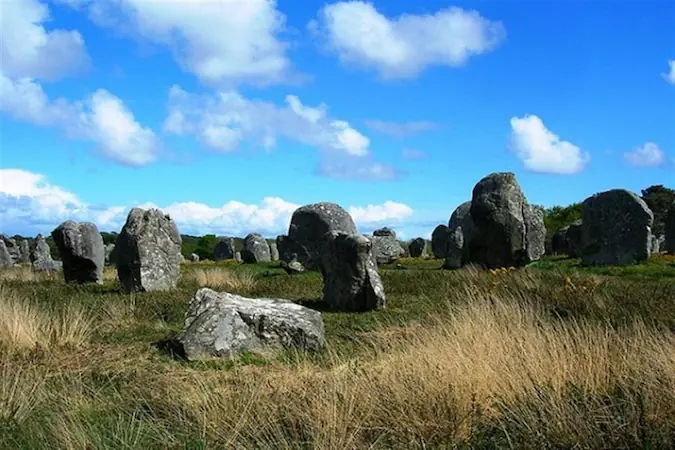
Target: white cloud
(401, 130)
(30, 205)
(224, 120)
(649, 155)
(541, 150)
(670, 75)
(404, 46)
(389, 211)
(28, 50)
(358, 170)
(412, 153)
(221, 41)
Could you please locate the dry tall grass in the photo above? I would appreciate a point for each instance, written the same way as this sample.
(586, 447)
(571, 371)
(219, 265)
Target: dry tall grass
(223, 278)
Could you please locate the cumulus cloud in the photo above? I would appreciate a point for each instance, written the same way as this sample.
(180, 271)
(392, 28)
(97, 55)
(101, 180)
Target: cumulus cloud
(222, 42)
(648, 155)
(401, 130)
(28, 50)
(541, 150)
(670, 75)
(402, 47)
(29, 54)
(224, 120)
(29, 204)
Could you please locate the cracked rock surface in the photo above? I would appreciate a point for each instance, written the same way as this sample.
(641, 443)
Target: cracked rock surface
(82, 251)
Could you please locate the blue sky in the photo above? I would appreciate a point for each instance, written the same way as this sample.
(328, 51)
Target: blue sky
(229, 114)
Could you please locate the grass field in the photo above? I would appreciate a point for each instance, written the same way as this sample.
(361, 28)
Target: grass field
(551, 356)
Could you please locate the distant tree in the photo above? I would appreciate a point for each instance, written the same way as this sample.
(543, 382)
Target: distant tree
(659, 199)
(109, 237)
(206, 246)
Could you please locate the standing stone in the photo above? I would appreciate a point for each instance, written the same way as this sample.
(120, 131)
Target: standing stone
(416, 247)
(220, 324)
(238, 258)
(6, 259)
(110, 254)
(42, 256)
(386, 247)
(309, 224)
(350, 278)
(284, 248)
(256, 249)
(148, 252)
(224, 249)
(509, 232)
(439, 241)
(274, 251)
(669, 244)
(194, 257)
(616, 229)
(24, 252)
(460, 232)
(82, 251)
(655, 247)
(12, 249)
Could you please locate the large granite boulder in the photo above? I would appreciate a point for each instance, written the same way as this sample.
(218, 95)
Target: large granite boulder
(508, 231)
(439, 241)
(24, 252)
(256, 249)
(350, 278)
(386, 247)
(12, 248)
(669, 244)
(309, 224)
(82, 251)
(460, 232)
(219, 324)
(42, 256)
(616, 229)
(224, 249)
(416, 247)
(6, 259)
(148, 252)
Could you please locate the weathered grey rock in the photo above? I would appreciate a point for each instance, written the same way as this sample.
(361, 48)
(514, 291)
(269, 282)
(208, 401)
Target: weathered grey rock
(661, 243)
(224, 249)
(439, 241)
(669, 241)
(309, 224)
(12, 248)
(460, 232)
(274, 251)
(110, 254)
(256, 249)
(6, 259)
(292, 267)
(350, 278)
(238, 258)
(82, 251)
(226, 325)
(386, 247)
(654, 246)
(24, 251)
(416, 247)
(285, 248)
(148, 252)
(616, 229)
(42, 256)
(194, 257)
(508, 231)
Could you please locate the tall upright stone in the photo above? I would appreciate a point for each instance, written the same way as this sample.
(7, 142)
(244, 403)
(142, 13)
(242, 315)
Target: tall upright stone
(386, 247)
(308, 225)
(11, 248)
(256, 249)
(439, 241)
(82, 251)
(460, 231)
(6, 259)
(509, 231)
(416, 247)
(616, 229)
(224, 249)
(350, 278)
(24, 252)
(148, 252)
(42, 256)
